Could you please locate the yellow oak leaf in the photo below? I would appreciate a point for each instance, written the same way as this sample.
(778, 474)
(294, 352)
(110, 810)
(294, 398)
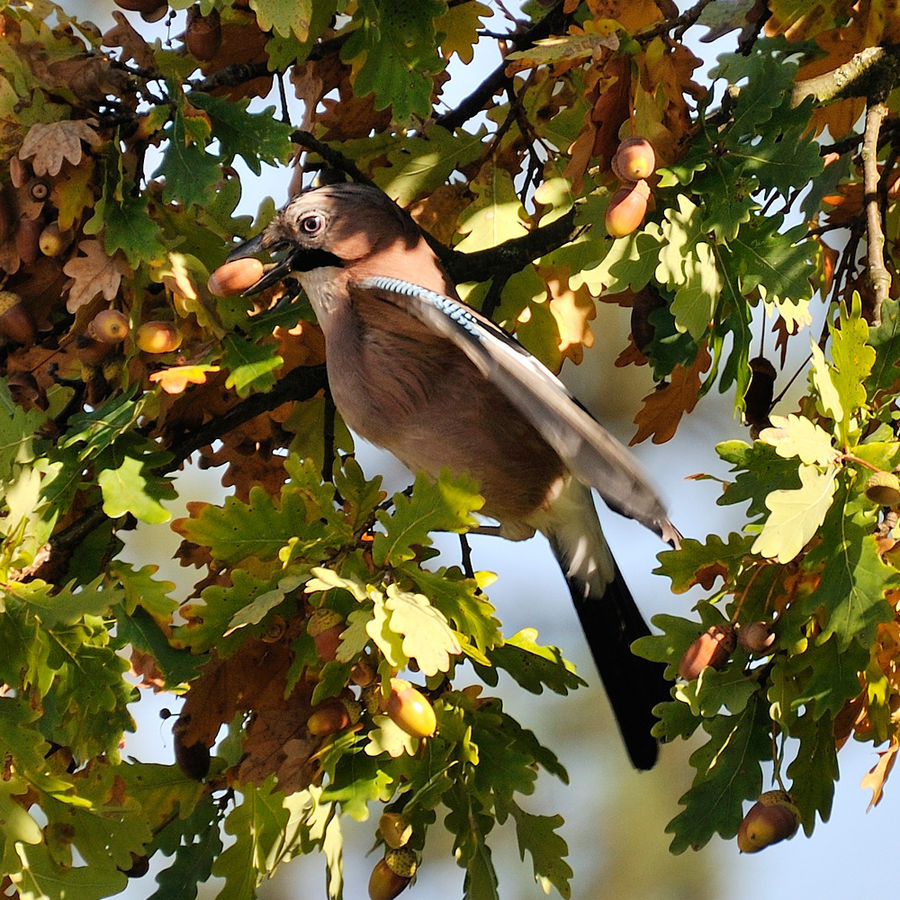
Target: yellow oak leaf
(795, 515)
(175, 379)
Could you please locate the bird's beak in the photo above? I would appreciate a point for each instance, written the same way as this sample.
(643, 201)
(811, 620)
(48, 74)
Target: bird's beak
(293, 259)
(274, 273)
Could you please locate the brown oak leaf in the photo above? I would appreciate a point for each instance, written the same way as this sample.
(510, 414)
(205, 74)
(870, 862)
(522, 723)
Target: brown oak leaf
(876, 777)
(664, 407)
(50, 144)
(93, 273)
(132, 44)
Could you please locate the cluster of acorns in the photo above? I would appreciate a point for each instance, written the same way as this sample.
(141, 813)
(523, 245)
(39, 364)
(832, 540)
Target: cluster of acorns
(408, 708)
(633, 163)
(203, 35)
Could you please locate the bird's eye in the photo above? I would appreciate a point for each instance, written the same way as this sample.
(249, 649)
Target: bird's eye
(311, 224)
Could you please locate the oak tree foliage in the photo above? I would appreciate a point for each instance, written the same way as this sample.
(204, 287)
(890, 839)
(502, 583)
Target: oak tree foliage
(124, 150)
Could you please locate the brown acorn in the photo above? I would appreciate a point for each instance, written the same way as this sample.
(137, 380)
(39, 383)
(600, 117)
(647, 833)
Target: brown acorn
(758, 399)
(328, 717)
(28, 236)
(16, 322)
(204, 34)
(141, 6)
(235, 277)
(642, 305)
(634, 159)
(627, 209)
(392, 874)
(773, 818)
(712, 648)
(756, 637)
(6, 219)
(883, 488)
(325, 626)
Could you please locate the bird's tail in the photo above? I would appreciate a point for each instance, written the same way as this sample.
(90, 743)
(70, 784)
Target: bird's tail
(610, 620)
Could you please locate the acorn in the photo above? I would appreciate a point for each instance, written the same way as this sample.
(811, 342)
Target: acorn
(28, 236)
(332, 715)
(39, 190)
(203, 36)
(756, 637)
(394, 830)
(54, 242)
(16, 322)
(235, 277)
(627, 209)
(6, 219)
(883, 488)
(410, 710)
(363, 672)
(158, 337)
(392, 874)
(712, 648)
(758, 399)
(771, 819)
(643, 304)
(141, 6)
(634, 159)
(324, 626)
(109, 326)
(140, 866)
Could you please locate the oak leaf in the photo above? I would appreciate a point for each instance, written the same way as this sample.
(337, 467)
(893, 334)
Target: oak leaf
(93, 273)
(664, 407)
(132, 44)
(572, 309)
(876, 777)
(175, 379)
(50, 144)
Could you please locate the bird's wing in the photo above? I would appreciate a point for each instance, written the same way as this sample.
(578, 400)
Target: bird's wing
(589, 451)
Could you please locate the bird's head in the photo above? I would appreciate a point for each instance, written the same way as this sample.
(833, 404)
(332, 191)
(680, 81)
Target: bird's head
(338, 225)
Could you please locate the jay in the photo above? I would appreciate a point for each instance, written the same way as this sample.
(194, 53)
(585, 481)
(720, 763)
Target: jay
(414, 370)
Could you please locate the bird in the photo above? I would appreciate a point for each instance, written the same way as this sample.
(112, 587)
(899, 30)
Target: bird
(413, 369)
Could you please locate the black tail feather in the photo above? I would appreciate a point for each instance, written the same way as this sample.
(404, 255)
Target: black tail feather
(634, 685)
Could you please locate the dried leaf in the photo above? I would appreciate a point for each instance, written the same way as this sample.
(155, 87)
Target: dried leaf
(876, 777)
(50, 144)
(132, 44)
(92, 274)
(664, 407)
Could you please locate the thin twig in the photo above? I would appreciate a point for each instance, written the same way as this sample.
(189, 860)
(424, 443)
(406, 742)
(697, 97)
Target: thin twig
(334, 158)
(679, 25)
